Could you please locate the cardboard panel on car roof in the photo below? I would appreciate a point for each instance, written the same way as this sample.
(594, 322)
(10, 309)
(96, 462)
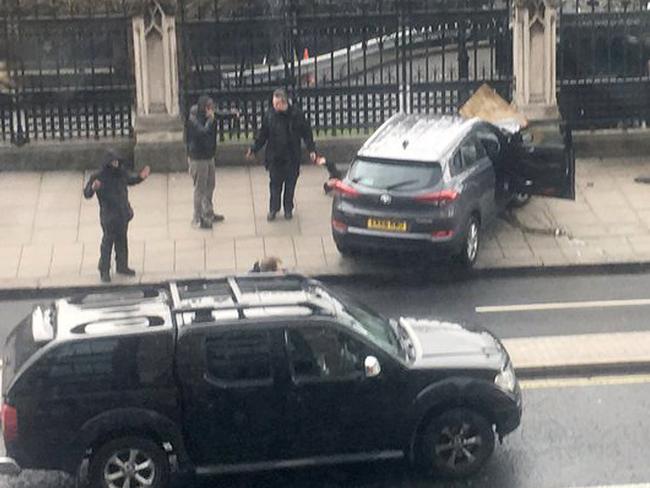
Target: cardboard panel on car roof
(486, 104)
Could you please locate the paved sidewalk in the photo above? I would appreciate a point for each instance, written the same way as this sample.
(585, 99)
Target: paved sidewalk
(584, 352)
(49, 234)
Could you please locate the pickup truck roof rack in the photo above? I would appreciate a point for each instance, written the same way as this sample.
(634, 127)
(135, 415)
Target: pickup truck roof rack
(244, 293)
(119, 297)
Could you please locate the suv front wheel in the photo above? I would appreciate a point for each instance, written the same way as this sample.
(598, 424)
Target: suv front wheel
(456, 444)
(129, 461)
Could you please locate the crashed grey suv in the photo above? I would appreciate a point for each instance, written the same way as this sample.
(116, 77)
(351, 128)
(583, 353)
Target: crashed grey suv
(433, 183)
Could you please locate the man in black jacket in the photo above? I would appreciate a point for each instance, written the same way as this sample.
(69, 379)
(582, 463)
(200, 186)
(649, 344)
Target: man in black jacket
(283, 128)
(111, 185)
(201, 149)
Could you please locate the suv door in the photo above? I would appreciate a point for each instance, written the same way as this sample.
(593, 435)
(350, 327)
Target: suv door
(336, 410)
(234, 402)
(543, 163)
(479, 175)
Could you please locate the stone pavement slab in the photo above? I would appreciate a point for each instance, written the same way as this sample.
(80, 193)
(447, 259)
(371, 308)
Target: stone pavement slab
(539, 354)
(49, 234)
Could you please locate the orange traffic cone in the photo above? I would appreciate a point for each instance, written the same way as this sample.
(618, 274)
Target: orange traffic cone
(305, 54)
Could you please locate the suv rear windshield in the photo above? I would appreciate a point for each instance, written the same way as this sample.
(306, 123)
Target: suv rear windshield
(395, 175)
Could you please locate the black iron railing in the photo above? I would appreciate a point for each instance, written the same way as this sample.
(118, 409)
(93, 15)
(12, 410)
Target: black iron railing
(70, 72)
(604, 63)
(349, 64)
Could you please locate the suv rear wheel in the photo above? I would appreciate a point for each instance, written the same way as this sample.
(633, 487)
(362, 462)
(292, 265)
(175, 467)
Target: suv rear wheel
(519, 199)
(129, 461)
(457, 443)
(471, 243)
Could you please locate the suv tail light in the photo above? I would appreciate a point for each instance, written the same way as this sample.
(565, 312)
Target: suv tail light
(9, 423)
(439, 198)
(339, 226)
(345, 190)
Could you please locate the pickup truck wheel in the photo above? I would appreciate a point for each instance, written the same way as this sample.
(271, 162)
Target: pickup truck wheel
(129, 461)
(456, 444)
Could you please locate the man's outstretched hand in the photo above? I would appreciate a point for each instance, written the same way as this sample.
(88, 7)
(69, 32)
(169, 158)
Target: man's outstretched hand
(249, 154)
(145, 172)
(96, 185)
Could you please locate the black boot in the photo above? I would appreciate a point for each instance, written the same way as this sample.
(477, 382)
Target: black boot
(126, 271)
(105, 276)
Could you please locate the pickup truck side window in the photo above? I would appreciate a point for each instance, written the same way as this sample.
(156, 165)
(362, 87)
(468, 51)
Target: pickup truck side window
(81, 367)
(323, 353)
(237, 356)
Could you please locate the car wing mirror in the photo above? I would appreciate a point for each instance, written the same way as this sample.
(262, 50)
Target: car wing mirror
(372, 367)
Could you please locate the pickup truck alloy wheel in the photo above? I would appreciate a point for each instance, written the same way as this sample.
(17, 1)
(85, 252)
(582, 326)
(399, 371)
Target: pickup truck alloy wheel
(458, 443)
(129, 463)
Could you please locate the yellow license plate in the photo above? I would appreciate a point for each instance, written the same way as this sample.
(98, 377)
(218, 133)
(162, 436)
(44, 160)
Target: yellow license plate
(387, 225)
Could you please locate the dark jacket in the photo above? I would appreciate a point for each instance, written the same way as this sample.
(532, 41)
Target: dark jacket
(201, 132)
(113, 196)
(282, 133)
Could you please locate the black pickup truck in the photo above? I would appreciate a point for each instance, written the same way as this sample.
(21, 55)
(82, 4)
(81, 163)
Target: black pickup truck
(246, 373)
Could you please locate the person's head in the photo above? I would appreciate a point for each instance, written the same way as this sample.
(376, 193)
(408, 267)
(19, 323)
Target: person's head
(111, 159)
(280, 100)
(205, 104)
(268, 265)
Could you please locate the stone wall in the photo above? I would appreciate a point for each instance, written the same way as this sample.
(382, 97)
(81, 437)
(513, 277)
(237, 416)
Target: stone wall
(86, 155)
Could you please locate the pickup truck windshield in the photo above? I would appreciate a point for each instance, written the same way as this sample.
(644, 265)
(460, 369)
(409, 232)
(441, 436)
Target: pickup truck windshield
(378, 328)
(364, 321)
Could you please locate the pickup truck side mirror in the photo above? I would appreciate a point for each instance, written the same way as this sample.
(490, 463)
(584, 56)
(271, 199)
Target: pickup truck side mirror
(372, 367)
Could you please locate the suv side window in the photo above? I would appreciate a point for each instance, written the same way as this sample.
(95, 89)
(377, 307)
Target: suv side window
(457, 164)
(323, 353)
(468, 153)
(239, 356)
(491, 144)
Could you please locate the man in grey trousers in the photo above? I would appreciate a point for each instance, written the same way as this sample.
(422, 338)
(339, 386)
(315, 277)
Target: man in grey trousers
(201, 149)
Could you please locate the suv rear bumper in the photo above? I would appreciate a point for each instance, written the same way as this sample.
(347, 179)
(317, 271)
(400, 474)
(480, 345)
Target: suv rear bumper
(409, 242)
(9, 467)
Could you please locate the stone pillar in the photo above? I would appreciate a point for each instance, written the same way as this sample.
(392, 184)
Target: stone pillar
(156, 63)
(534, 58)
(158, 127)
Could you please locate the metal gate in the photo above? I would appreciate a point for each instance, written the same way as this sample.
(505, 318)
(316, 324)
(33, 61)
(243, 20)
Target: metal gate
(604, 63)
(350, 64)
(68, 72)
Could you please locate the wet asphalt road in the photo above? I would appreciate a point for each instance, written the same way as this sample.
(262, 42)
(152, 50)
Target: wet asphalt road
(570, 436)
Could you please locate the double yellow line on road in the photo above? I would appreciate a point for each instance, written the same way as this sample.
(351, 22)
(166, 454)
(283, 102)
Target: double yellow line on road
(578, 382)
